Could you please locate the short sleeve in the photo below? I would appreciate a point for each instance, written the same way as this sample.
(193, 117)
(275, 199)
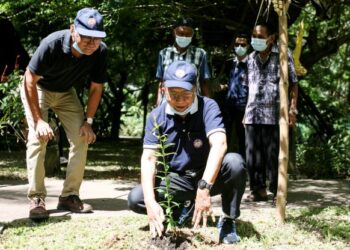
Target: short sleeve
(212, 117)
(293, 78)
(160, 70)
(40, 61)
(204, 70)
(99, 71)
(150, 139)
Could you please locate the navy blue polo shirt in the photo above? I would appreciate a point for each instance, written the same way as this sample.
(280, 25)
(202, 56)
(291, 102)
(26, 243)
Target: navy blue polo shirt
(60, 70)
(188, 135)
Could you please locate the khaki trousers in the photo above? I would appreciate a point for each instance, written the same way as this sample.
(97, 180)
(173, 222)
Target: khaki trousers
(69, 110)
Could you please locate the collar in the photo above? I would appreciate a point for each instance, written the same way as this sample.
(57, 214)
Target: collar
(174, 49)
(66, 44)
(274, 48)
(244, 60)
(193, 110)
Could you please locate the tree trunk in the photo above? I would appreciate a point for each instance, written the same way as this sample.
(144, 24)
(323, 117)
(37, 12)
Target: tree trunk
(283, 122)
(117, 105)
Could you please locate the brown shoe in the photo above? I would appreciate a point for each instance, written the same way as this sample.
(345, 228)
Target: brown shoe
(73, 204)
(37, 210)
(259, 195)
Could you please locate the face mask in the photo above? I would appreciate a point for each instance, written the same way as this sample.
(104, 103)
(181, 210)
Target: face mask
(193, 108)
(76, 47)
(240, 51)
(185, 112)
(259, 44)
(183, 41)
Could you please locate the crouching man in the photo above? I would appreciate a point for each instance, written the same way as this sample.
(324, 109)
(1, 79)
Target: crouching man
(199, 167)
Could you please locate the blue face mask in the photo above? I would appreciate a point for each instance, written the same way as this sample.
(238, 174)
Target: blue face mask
(183, 41)
(240, 51)
(259, 44)
(76, 47)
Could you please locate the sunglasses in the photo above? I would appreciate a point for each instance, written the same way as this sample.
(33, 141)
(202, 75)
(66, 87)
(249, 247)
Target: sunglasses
(240, 44)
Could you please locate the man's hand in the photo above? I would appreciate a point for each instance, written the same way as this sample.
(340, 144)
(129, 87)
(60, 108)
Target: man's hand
(43, 131)
(156, 218)
(86, 130)
(202, 208)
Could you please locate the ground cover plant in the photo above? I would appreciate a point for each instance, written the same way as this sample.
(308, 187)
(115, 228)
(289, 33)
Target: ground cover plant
(305, 228)
(314, 228)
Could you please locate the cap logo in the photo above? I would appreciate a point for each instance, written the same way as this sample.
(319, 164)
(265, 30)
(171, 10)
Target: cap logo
(91, 22)
(180, 73)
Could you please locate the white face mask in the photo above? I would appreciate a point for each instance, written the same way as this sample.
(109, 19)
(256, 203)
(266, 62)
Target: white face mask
(182, 113)
(259, 44)
(76, 47)
(183, 41)
(193, 108)
(240, 51)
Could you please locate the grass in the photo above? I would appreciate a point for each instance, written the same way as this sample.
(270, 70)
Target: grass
(106, 160)
(319, 229)
(305, 228)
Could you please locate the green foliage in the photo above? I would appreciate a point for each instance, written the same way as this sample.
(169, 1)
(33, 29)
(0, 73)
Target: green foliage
(339, 146)
(12, 115)
(132, 123)
(328, 85)
(168, 204)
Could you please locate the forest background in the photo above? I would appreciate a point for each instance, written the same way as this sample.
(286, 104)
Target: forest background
(138, 29)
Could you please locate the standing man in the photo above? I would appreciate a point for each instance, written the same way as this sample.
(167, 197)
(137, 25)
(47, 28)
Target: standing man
(199, 167)
(262, 111)
(237, 92)
(182, 50)
(63, 59)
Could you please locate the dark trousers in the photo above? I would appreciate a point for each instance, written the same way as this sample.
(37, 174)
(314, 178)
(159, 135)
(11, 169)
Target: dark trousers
(233, 117)
(262, 147)
(230, 183)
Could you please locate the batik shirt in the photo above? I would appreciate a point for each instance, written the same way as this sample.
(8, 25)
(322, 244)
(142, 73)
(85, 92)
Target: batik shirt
(263, 82)
(194, 55)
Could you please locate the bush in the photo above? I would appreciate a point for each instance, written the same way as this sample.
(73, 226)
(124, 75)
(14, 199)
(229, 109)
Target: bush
(11, 109)
(325, 159)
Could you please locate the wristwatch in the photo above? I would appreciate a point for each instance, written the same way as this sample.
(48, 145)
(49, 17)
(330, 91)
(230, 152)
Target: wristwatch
(202, 184)
(89, 120)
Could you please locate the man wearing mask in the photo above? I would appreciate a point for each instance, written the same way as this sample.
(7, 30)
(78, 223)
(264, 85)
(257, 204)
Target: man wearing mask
(64, 58)
(262, 112)
(182, 50)
(195, 148)
(237, 92)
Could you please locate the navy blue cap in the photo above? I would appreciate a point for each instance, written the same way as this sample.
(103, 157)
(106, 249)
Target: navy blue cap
(180, 74)
(188, 22)
(89, 22)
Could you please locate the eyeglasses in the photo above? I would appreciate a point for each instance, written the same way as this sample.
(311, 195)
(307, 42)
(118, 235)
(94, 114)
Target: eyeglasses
(88, 39)
(186, 95)
(240, 44)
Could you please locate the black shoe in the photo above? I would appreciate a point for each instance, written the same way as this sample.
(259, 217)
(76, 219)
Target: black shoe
(227, 231)
(186, 212)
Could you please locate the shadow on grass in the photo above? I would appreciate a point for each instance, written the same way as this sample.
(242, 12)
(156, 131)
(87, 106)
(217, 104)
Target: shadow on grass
(108, 204)
(327, 222)
(26, 222)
